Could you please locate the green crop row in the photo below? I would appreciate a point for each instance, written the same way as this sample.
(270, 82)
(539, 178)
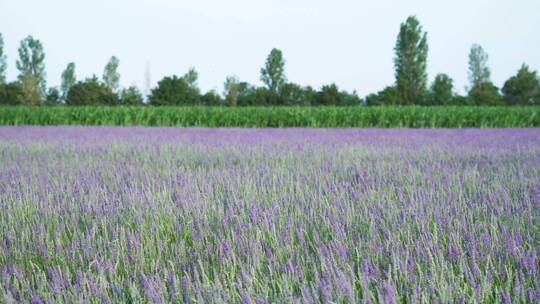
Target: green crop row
(399, 116)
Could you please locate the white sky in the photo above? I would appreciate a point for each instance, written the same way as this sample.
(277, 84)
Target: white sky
(346, 42)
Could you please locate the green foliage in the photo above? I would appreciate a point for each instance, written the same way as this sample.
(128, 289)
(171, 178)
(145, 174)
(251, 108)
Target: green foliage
(479, 72)
(111, 77)
(174, 91)
(53, 96)
(211, 98)
(485, 93)
(131, 96)
(273, 73)
(523, 88)
(482, 91)
(91, 92)
(460, 100)
(191, 77)
(330, 95)
(292, 94)
(410, 62)
(231, 90)
(11, 93)
(388, 96)
(249, 95)
(402, 116)
(32, 93)
(440, 92)
(68, 80)
(31, 68)
(3, 63)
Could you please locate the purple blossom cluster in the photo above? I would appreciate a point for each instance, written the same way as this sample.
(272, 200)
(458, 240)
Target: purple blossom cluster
(195, 215)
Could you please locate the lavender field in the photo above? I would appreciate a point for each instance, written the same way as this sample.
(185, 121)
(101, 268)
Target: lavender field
(194, 215)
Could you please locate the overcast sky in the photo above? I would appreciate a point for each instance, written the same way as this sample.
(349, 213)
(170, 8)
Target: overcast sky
(346, 42)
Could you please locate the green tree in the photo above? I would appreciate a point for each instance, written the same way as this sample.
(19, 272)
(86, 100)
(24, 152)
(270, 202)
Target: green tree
(273, 73)
(410, 62)
(91, 92)
(440, 92)
(53, 96)
(11, 93)
(68, 80)
(523, 88)
(174, 91)
(211, 98)
(388, 96)
(485, 94)
(191, 77)
(479, 72)
(231, 90)
(482, 90)
(292, 94)
(3, 63)
(32, 93)
(460, 100)
(256, 96)
(328, 95)
(131, 96)
(350, 99)
(246, 94)
(31, 68)
(111, 77)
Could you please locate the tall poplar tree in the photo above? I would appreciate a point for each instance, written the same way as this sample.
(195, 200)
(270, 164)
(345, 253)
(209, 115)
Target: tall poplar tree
(111, 77)
(273, 73)
(31, 66)
(3, 64)
(482, 91)
(410, 62)
(68, 80)
(479, 72)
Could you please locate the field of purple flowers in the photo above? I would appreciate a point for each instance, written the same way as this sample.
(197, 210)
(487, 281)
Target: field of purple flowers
(158, 215)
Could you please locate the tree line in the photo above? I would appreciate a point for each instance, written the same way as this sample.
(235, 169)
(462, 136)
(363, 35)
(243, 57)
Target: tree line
(410, 87)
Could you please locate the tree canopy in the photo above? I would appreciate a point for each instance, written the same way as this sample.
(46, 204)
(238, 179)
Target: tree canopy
(410, 86)
(523, 88)
(91, 92)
